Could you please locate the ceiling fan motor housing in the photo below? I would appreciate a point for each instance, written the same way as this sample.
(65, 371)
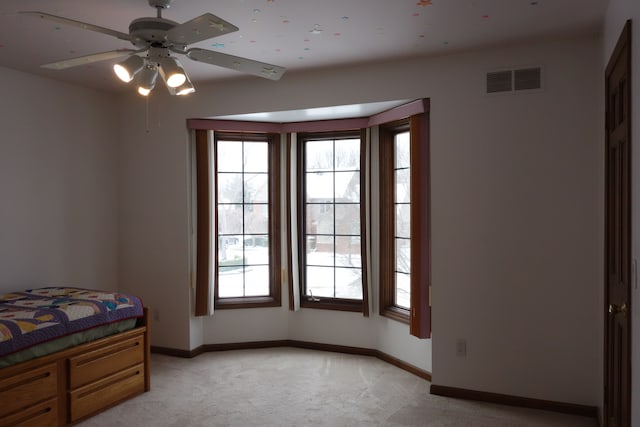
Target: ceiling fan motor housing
(147, 32)
(162, 4)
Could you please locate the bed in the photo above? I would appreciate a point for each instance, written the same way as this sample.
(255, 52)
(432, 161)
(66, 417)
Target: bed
(67, 353)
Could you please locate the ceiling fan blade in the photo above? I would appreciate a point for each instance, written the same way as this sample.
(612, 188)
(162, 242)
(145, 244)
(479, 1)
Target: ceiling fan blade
(79, 24)
(89, 59)
(257, 68)
(201, 28)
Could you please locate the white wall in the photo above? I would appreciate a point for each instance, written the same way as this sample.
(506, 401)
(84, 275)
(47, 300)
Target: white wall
(58, 184)
(517, 229)
(618, 12)
(153, 213)
(517, 185)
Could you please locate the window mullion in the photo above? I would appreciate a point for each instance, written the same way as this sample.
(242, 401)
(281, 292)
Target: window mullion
(333, 172)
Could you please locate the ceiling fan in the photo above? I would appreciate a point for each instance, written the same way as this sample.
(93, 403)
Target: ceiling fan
(156, 39)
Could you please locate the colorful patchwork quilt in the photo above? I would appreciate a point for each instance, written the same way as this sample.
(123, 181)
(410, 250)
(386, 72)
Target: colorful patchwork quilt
(34, 316)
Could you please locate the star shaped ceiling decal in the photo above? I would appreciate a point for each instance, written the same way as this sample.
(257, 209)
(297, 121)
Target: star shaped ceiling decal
(217, 25)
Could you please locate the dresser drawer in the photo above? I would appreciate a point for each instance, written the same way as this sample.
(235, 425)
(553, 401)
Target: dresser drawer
(103, 362)
(28, 388)
(106, 392)
(44, 414)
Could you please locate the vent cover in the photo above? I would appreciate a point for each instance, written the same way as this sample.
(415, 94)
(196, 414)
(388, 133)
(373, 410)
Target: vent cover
(527, 79)
(514, 80)
(499, 81)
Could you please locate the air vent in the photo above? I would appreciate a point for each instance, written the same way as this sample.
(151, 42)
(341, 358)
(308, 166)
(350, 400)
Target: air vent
(499, 81)
(527, 79)
(514, 80)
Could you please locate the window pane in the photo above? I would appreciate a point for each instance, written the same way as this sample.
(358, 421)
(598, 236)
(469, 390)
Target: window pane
(319, 281)
(403, 255)
(237, 282)
(256, 281)
(319, 187)
(312, 243)
(347, 186)
(402, 150)
(348, 251)
(348, 219)
(229, 219)
(403, 186)
(347, 154)
(320, 250)
(229, 251)
(229, 156)
(256, 188)
(230, 188)
(256, 249)
(256, 156)
(403, 220)
(230, 282)
(319, 155)
(256, 219)
(348, 283)
(403, 290)
(319, 218)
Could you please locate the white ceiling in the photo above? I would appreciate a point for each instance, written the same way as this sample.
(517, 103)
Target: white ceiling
(297, 34)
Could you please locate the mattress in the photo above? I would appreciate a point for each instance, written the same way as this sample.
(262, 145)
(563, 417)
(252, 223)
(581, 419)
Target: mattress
(45, 315)
(65, 342)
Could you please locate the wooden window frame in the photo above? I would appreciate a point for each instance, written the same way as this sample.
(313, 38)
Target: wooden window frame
(207, 200)
(203, 221)
(325, 303)
(274, 299)
(419, 315)
(386, 138)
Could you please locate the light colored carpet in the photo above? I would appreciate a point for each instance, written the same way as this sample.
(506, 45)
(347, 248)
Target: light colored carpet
(297, 387)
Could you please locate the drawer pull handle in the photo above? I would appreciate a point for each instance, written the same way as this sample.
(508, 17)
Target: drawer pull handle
(31, 416)
(114, 351)
(108, 384)
(27, 381)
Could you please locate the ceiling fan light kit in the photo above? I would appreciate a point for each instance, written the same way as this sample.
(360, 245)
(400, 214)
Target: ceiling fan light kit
(186, 88)
(173, 72)
(147, 80)
(158, 38)
(127, 69)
